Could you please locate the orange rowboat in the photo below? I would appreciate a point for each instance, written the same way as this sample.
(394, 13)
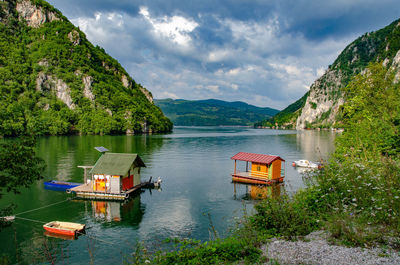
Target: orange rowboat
(64, 228)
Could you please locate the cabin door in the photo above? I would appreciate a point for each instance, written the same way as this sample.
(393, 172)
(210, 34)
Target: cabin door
(115, 184)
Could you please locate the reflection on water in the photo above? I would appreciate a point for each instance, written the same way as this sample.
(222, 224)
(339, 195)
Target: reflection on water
(305, 171)
(315, 144)
(129, 212)
(194, 164)
(60, 236)
(107, 211)
(256, 192)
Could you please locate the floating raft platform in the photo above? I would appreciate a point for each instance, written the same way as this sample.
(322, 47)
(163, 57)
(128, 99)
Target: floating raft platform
(85, 191)
(245, 177)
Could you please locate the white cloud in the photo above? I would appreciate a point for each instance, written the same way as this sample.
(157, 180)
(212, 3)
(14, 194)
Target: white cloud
(259, 64)
(169, 95)
(320, 71)
(234, 71)
(218, 55)
(213, 88)
(175, 28)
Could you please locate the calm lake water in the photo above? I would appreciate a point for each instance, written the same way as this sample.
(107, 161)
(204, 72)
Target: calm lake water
(196, 193)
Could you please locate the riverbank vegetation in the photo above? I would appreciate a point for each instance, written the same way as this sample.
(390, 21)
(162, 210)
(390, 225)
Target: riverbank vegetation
(355, 198)
(19, 167)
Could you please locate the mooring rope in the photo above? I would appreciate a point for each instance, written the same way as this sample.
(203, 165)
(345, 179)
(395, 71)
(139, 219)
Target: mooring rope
(32, 220)
(42, 207)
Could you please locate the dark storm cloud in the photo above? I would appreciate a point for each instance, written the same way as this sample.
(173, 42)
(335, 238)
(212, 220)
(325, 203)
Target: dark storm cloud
(263, 52)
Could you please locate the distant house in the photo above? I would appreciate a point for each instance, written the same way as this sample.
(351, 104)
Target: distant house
(116, 172)
(264, 169)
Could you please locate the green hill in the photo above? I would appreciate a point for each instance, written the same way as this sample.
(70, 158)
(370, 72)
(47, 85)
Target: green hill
(326, 96)
(285, 117)
(53, 81)
(212, 112)
(321, 106)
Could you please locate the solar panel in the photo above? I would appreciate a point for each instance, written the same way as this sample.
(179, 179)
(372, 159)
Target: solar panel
(101, 149)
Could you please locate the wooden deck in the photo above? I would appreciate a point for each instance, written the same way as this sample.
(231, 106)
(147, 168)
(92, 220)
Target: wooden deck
(86, 191)
(247, 177)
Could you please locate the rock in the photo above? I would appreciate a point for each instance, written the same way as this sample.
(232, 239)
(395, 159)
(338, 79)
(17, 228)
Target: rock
(87, 90)
(147, 94)
(33, 15)
(323, 98)
(326, 96)
(43, 62)
(315, 249)
(47, 83)
(125, 81)
(73, 36)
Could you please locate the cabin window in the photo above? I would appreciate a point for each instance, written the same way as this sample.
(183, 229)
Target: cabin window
(258, 168)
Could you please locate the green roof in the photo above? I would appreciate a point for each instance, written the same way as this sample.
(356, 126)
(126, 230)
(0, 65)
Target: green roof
(116, 163)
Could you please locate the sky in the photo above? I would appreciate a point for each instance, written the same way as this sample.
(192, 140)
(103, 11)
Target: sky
(263, 52)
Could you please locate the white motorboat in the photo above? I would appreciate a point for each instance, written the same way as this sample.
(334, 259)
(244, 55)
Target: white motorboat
(305, 163)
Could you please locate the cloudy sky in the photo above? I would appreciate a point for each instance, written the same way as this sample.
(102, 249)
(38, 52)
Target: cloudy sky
(263, 52)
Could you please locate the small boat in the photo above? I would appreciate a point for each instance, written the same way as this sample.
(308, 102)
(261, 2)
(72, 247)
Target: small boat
(9, 219)
(305, 163)
(64, 228)
(60, 236)
(60, 185)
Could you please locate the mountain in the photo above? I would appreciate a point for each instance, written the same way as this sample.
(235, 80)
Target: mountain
(212, 112)
(321, 106)
(53, 81)
(326, 95)
(284, 119)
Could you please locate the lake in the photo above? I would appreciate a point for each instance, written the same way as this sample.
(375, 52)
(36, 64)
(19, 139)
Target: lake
(197, 198)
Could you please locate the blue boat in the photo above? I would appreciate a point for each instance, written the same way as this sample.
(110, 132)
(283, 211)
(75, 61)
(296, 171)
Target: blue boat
(60, 185)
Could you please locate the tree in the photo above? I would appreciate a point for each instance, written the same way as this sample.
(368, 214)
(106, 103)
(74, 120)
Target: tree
(19, 166)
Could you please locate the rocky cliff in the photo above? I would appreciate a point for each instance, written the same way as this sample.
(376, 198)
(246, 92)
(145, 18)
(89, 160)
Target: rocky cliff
(326, 95)
(54, 81)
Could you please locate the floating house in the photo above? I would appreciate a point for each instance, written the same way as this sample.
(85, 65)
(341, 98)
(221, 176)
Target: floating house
(264, 169)
(114, 176)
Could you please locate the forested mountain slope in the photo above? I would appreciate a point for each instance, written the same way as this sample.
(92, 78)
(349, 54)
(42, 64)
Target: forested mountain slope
(53, 81)
(320, 106)
(326, 94)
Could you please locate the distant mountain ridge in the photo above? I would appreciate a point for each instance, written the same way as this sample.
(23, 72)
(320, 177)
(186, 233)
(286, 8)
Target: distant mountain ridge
(53, 81)
(212, 112)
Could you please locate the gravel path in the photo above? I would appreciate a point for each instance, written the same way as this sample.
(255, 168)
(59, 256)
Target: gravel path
(316, 250)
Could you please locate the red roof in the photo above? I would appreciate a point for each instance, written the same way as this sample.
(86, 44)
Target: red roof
(256, 158)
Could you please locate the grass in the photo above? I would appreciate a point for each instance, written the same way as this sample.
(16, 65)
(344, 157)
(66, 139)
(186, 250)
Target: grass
(356, 201)
(189, 251)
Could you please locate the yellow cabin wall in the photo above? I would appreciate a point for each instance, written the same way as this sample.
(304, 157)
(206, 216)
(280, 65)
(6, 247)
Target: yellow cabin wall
(259, 170)
(276, 169)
